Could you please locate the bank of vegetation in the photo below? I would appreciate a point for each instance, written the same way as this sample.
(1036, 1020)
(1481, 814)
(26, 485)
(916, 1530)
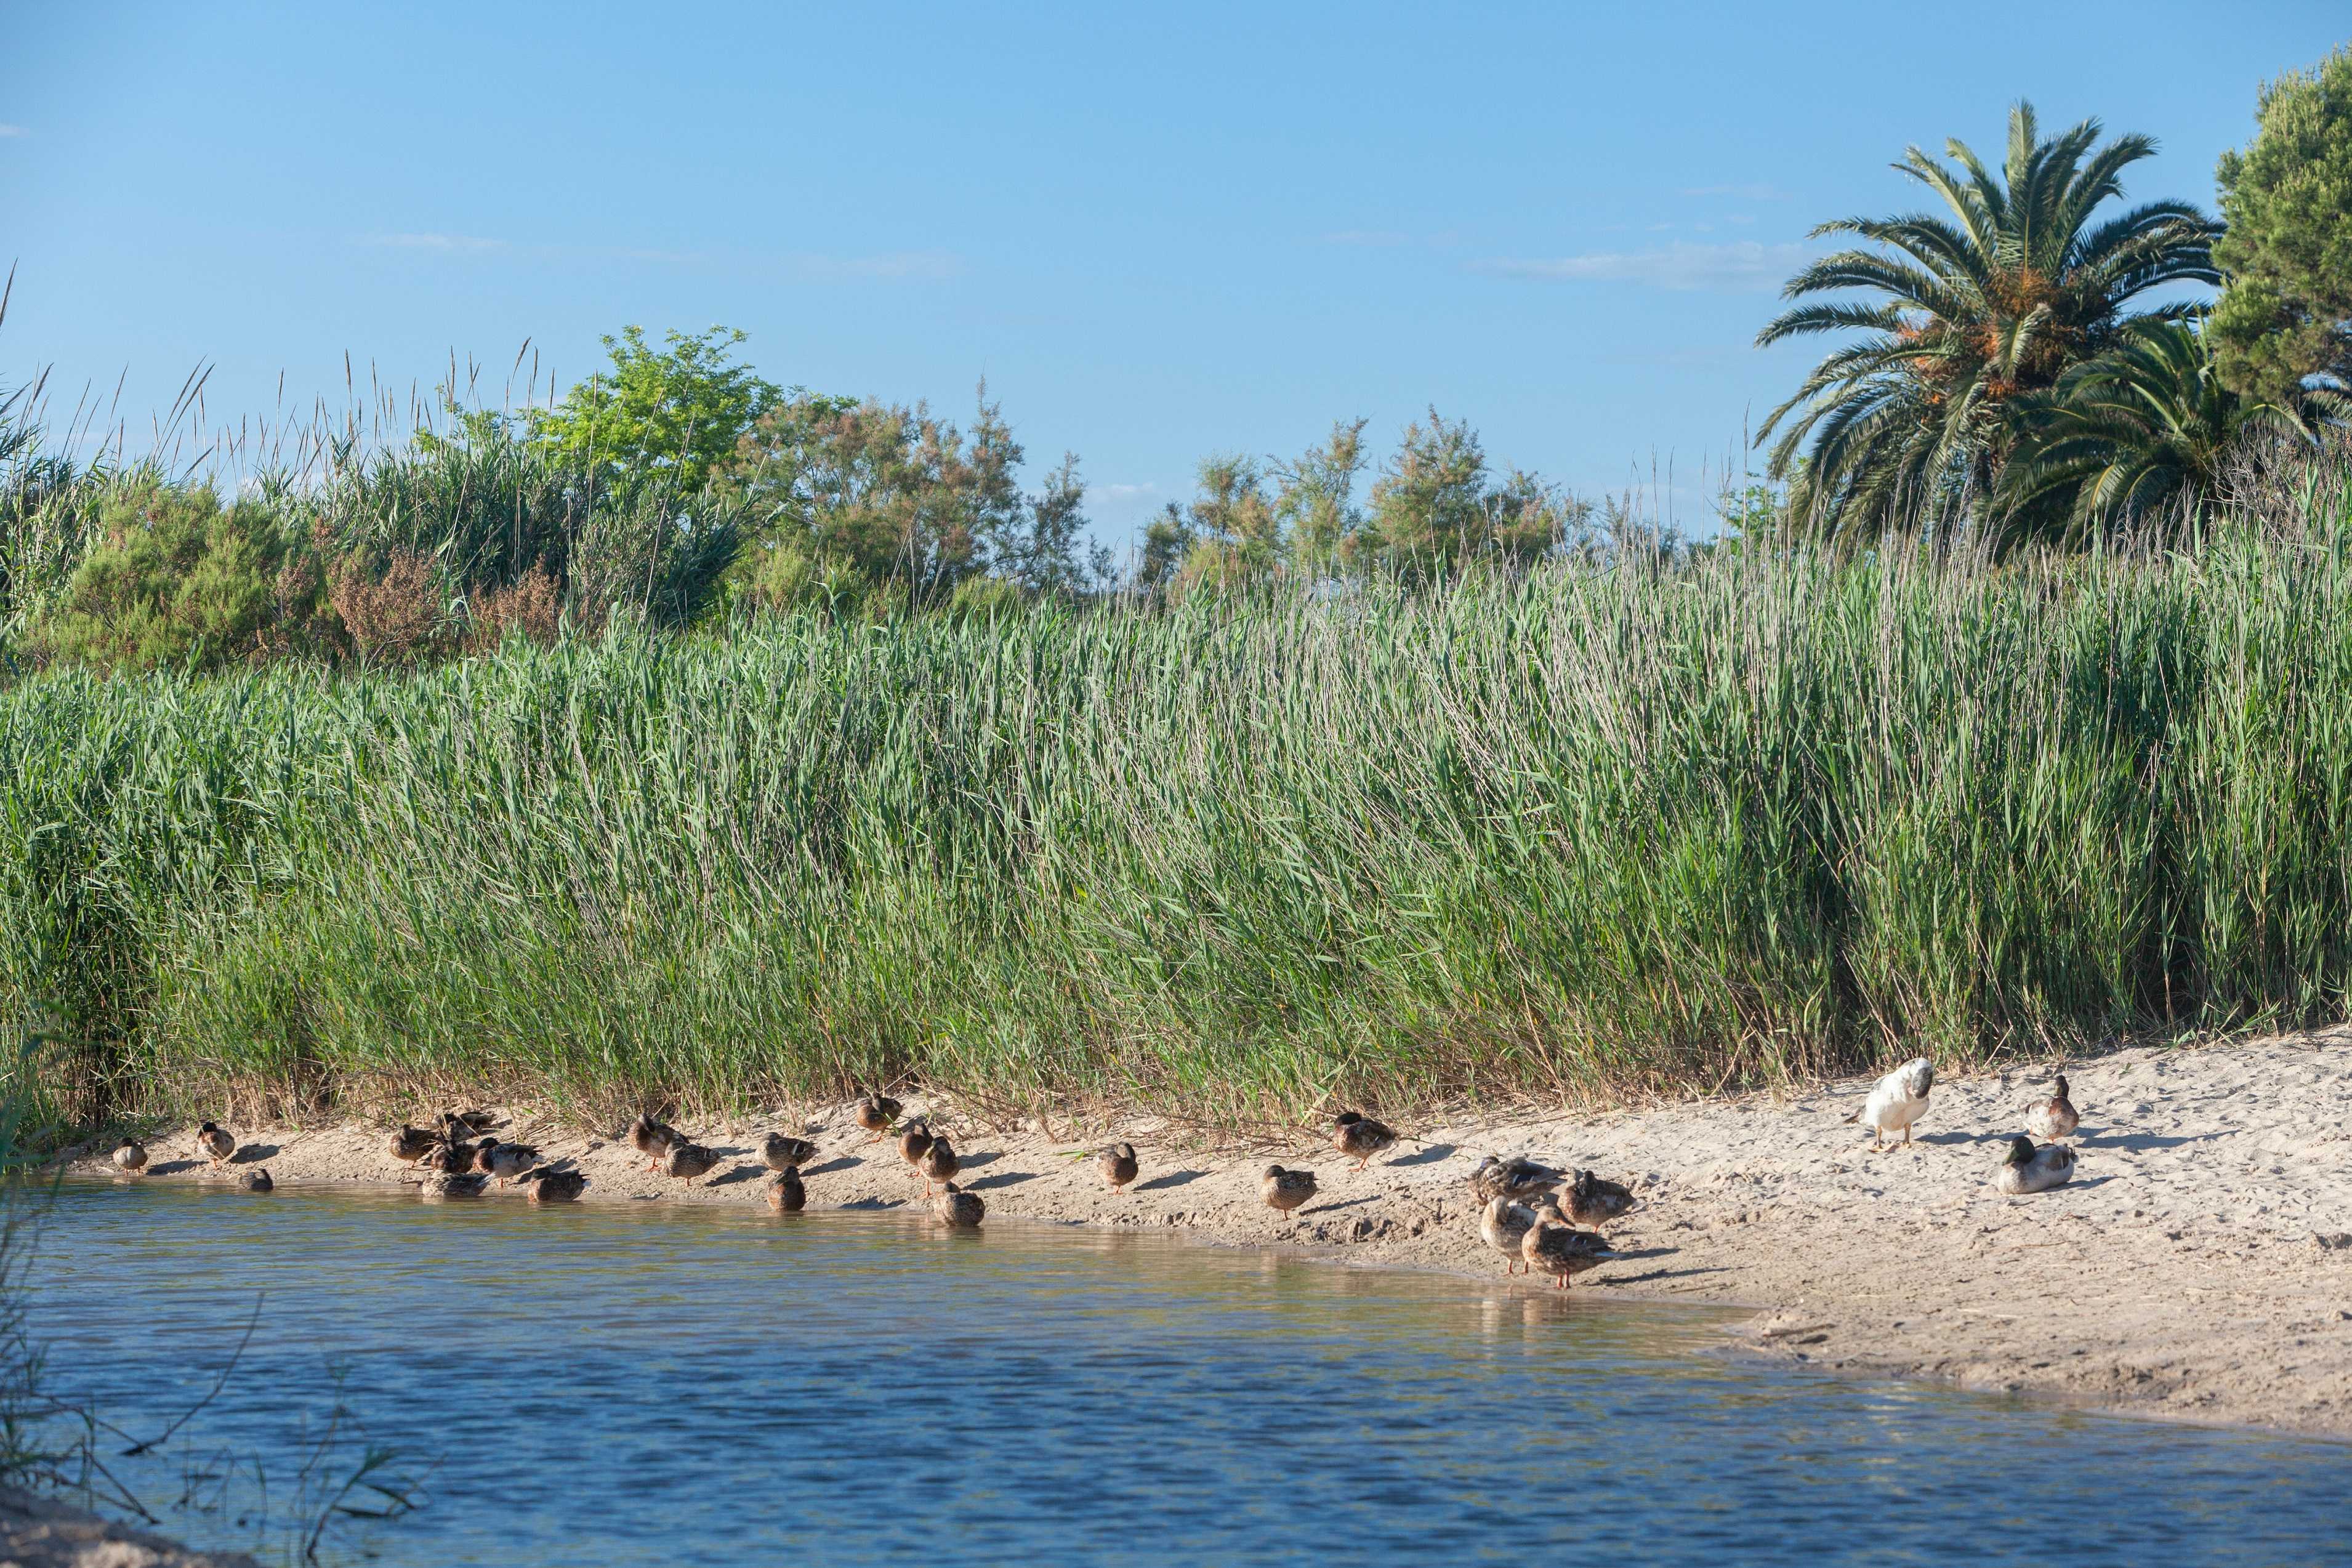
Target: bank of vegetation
(693, 738)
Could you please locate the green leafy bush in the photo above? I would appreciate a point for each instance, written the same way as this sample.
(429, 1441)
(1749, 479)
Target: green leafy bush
(178, 581)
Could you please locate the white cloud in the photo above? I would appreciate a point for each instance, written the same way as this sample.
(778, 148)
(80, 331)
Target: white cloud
(12, 131)
(1758, 193)
(436, 242)
(1123, 492)
(1741, 265)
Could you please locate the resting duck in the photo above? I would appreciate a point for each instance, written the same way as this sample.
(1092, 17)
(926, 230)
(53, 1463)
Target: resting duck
(1897, 1100)
(876, 1112)
(689, 1162)
(1562, 1250)
(1117, 1164)
(940, 1162)
(914, 1142)
(1503, 1225)
(1518, 1179)
(255, 1180)
(472, 1121)
(131, 1158)
(653, 1139)
(2025, 1168)
(2054, 1118)
(1285, 1191)
(1360, 1137)
(1593, 1203)
(216, 1142)
(506, 1161)
(447, 1184)
(959, 1208)
(786, 1194)
(411, 1145)
(783, 1154)
(549, 1185)
(448, 1158)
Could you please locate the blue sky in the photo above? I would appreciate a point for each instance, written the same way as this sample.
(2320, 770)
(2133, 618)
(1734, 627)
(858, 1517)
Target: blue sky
(1158, 232)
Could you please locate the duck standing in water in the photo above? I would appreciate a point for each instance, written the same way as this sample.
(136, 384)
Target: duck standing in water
(1518, 1179)
(779, 1153)
(786, 1192)
(411, 1145)
(2054, 1118)
(215, 1142)
(1561, 1251)
(549, 1185)
(255, 1180)
(1285, 1191)
(1593, 1203)
(1503, 1225)
(131, 1158)
(1897, 1100)
(689, 1162)
(653, 1139)
(940, 1161)
(2024, 1168)
(877, 1113)
(450, 1183)
(1117, 1164)
(1360, 1137)
(959, 1210)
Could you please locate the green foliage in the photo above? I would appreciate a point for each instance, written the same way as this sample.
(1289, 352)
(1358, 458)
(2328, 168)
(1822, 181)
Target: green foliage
(179, 581)
(2145, 426)
(1630, 820)
(2285, 315)
(1909, 424)
(672, 415)
(1437, 508)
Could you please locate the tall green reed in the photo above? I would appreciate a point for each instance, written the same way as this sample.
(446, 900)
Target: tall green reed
(1635, 823)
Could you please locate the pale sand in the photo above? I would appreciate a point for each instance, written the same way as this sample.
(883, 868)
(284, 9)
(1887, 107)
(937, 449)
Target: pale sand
(2198, 1266)
(42, 1532)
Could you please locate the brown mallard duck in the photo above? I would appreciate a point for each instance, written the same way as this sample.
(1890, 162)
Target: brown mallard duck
(471, 1121)
(1285, 1191)
(215, 1142)
(411, 1145)
(506, 1161)
(1518, 1179)
(780, 1153)
(1593, 1203)
(877, 1113)
(1360, 1137)
(914, 1142)
(131, 1158)
(550, 1185)
(689, 1162)
(2054, 1118)
(1117, 1164)
(940, 1162)
(653, 1139)
(449, 1184)
(257, 1179)
(1503, 1225)
(448, 1158)
(2024, 1168)
(1562, 1250)
(786, 1192)
(959, 1208)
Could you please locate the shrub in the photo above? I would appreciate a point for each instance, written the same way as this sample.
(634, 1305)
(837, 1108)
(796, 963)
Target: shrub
(531, 609)
(179, 580)
(395, 616)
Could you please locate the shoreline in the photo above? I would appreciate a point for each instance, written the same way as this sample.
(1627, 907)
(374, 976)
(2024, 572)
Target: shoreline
(2197, 1268)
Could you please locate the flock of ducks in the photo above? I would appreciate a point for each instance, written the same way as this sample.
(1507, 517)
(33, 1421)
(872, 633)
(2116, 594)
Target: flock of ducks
(1543, 1220)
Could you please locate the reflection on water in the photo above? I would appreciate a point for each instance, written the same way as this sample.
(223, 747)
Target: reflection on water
(612, 1385)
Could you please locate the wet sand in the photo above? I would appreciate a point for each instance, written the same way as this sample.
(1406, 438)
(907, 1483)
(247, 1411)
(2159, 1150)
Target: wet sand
(42, 1532)
(2199, 1266)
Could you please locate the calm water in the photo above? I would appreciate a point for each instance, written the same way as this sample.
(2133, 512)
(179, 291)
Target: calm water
(613, 1385)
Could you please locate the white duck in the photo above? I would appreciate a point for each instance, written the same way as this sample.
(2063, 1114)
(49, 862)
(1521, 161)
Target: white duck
(1897, 1100)
(2028, 1169)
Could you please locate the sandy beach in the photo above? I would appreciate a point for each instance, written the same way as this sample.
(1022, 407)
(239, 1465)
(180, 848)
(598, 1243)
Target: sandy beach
(2199, 1266)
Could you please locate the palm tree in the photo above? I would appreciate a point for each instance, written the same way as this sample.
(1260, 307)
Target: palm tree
(2142, 427)
(1909, 425)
